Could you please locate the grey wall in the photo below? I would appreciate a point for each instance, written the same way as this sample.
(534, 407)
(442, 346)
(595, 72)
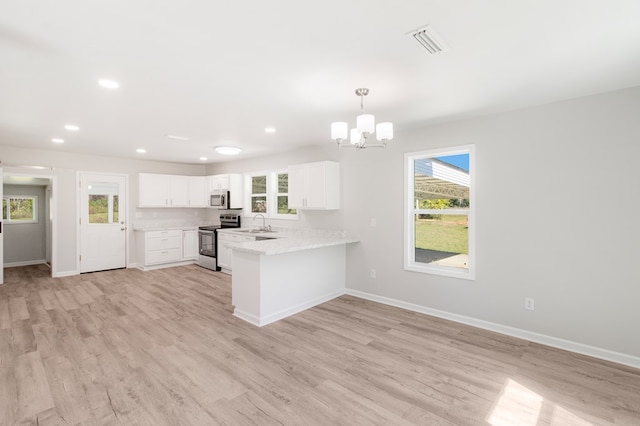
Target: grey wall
(557, 202)
(26, 242)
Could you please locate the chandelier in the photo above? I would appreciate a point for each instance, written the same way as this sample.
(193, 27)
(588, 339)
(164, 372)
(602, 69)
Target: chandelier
(365, 127)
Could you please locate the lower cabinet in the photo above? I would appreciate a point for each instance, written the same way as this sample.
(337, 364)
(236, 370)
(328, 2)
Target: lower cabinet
(159, 248)
(190, 245)
(226, 241)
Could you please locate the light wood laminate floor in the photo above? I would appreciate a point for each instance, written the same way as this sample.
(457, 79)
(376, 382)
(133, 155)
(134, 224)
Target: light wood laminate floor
(162, 348)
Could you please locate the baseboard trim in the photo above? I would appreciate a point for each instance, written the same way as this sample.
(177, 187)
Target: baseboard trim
(284, 313)
(605, 354)
(64, 274)
(24, 263)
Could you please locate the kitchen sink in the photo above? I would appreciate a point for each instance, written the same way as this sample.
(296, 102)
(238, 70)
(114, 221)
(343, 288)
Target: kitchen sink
(254, 231)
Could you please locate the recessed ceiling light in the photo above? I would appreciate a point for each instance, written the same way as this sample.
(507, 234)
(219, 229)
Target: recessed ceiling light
(228, 150)
(72, 127)
(57, 140)
(270, 130)
(108, 84)
(180, 138)
(141, 150)
(203, 158)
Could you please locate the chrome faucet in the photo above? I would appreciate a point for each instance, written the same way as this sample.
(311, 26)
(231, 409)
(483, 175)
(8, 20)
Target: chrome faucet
(264, 227)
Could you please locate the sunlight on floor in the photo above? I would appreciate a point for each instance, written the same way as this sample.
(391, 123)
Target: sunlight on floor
(518, 405)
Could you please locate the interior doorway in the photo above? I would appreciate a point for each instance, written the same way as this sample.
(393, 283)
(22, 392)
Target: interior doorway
(27, 220)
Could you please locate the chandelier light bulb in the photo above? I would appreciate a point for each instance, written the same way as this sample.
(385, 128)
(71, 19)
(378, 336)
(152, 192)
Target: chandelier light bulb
(339, 130)
(366, 123)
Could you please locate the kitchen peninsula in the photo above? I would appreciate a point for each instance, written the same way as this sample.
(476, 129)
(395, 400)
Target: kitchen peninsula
(286, 274)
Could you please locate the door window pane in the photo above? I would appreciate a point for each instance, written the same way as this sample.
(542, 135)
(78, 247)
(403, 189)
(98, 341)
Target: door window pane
(116, 209)
(98, 209)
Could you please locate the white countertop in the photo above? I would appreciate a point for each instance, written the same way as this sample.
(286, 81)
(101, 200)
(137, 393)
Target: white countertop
(287, 241)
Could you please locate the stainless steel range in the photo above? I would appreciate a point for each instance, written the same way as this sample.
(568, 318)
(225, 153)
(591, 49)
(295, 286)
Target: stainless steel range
(208, 238)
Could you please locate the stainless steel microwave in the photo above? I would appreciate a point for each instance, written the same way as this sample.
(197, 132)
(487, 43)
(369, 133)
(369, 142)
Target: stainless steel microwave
(220, 199)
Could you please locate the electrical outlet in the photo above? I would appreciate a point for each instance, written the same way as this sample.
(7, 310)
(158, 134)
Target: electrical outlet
(373, 273)
(528, 303)
(372, 222)
(155, 214)
(138, 215)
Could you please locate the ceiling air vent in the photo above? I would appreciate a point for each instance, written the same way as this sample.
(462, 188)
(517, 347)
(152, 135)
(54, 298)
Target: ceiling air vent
(428, 39)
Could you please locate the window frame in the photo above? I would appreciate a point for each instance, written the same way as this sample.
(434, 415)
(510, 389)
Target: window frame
(249, 193)
(276, 194)
(34, 200)
(271, 195)
(410, 213)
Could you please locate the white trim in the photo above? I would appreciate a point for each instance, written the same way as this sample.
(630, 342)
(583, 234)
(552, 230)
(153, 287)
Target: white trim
(161, 265)
(555, 342)
(64, 274)
(25, 263)
(409, 210)
(284, 313)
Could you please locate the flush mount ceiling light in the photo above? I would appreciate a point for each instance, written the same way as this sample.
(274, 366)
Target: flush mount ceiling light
(71, 127)
(108, 84)
(203, 158)
(365, 127)
(141, 150)
(57, 140)
(228, 150)
(270, 130)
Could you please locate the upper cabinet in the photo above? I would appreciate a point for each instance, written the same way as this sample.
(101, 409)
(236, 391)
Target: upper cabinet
(231, 182)
(155, 190)
(198, 194)
(315, 186)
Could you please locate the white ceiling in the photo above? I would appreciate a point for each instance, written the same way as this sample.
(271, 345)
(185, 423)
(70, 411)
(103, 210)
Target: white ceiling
(219, 72)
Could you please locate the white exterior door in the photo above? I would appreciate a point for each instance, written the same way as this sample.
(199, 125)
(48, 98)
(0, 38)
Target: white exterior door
(102, 222)
(1, 236)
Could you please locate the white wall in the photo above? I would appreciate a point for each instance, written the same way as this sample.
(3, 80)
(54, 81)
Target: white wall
(557, 202)
(26, 242)
(65, 167)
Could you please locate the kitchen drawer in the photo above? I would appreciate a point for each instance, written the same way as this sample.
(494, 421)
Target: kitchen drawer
(164, 256)
(163, 243)
(164, 234)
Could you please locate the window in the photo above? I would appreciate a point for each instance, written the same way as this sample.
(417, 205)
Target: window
(20, 209)
(269, 194)
(259, 194)
(439, 219)
(282, 196)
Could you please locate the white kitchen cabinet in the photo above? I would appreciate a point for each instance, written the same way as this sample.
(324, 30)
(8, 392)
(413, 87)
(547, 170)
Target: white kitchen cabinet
(162, 247)
(190, 247)
(198, 191)
(178, 191)
(225, 248)
(231, 182)
(156, 190)
(314, 186)
(153, 190)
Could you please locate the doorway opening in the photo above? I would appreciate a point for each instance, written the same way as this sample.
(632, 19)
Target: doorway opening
(28, 220)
